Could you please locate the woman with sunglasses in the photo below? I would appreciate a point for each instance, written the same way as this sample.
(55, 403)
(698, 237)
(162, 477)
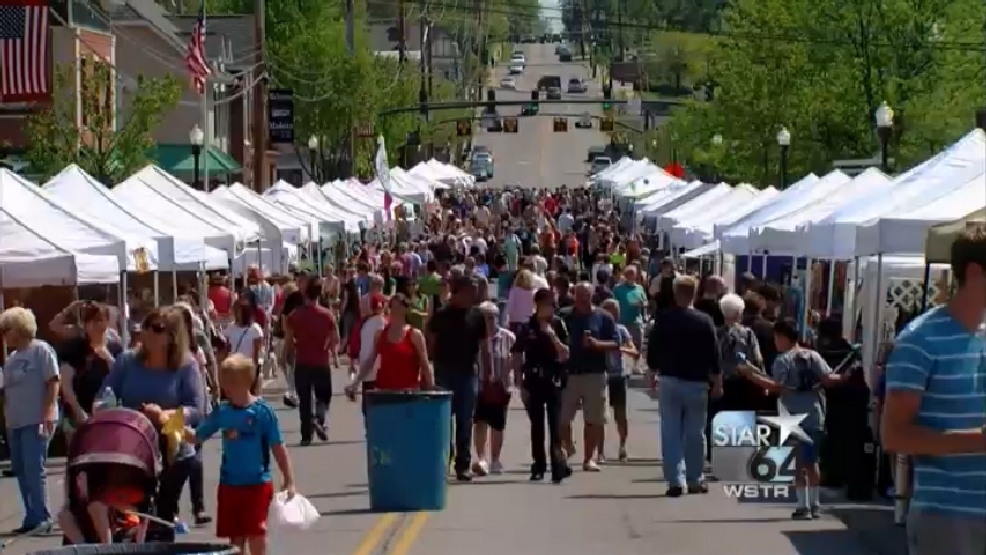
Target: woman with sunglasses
(402, 355)
(159, 378)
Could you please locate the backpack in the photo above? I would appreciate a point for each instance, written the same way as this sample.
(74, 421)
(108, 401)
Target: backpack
(733, 340)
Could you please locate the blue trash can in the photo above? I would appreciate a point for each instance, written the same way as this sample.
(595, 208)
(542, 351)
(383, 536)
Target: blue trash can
(143, 549)
(407, 449)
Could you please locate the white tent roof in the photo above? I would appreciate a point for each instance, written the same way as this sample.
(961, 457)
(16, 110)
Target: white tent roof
(697, 205)
(25, 201)
(781, 236)
(32, 253)
(735, 240)
(355, 192)
(337, 197)
(176, 249)
(614, 169)
(435, 170)
(295, 228)
(282, 193)
(673, 196)
(644, 187)
(836, 235)
(906, 233)
(699, 231)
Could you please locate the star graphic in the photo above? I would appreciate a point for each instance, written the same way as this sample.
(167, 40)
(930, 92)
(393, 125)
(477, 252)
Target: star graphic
(788, 425)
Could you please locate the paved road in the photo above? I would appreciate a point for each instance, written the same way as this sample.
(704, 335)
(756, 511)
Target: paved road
(620, 510)
(536, 156)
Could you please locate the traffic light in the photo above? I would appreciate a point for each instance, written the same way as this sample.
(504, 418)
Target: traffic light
(490, 101)
(463, 128)
(607, 96)
(510, 124)
(532, 108)
(606, 124)
(561, 125)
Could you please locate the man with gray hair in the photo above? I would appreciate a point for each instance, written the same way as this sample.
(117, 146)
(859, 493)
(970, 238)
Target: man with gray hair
(683, 351)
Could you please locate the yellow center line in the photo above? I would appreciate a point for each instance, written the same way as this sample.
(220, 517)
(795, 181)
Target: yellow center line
(406, 539)
(376, 534)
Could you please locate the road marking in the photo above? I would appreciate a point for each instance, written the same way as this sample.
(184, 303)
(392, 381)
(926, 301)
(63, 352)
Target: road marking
(373, 538)
(406, 539)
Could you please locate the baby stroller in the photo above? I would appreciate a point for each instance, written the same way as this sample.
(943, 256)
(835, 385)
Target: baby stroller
(114, 458)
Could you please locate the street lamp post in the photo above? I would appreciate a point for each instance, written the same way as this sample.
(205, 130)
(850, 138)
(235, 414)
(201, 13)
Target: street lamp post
(312, 148)
(784, 141)
(884, 127)
(195, 138)
(716, 145)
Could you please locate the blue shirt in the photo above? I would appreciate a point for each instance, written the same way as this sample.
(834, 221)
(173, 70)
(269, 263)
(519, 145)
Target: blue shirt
(602, 327)
(135, 385)
(248, 435)
(614, 366)
(940, 360)
(363, 284)
(631, 298)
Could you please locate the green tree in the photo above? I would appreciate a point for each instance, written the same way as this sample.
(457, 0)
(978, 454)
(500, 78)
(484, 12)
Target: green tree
(820, 69)
(111, 144)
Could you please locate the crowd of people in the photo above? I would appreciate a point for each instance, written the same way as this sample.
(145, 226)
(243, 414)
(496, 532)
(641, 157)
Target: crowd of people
(533, 294)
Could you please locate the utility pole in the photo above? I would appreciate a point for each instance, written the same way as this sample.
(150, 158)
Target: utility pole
(261, 179)
(423, 32)
(401, 33)
(619, 25)
(430, 49)
(349, 166)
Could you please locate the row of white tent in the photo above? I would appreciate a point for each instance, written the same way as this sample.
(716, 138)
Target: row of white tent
(834, 216)
(75, 230)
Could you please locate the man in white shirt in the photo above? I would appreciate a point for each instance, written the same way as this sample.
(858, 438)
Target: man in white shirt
(482, 215)
(565, 221)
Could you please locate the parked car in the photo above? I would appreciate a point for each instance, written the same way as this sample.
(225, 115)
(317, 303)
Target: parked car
(515, 69)
(584, 121)
(508, 83)
(565, 55)
(599, 164)
(553, 93)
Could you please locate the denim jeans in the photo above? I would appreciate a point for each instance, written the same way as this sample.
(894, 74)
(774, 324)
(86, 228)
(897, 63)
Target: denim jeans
(312, 382)
(683, 406)
(28, 455)
(465, 389)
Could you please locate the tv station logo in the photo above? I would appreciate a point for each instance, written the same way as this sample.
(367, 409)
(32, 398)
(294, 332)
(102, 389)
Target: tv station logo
(754, 455)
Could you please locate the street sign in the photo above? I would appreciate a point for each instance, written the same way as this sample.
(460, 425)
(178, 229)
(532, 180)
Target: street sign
(280, 116)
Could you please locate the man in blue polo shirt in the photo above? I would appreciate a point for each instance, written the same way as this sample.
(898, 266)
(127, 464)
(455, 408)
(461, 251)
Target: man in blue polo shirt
(936, 411)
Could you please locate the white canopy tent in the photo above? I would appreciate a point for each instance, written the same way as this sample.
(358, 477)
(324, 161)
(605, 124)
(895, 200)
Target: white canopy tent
(176, 249)
(905, 233)
(145, 202)
(645, 191)
(836, 235)
(26, 202)
(31, 254)
(809, 189)
(673, 196)
(342, 203)
(349, 190)
(306, 226)
(698, 230)
(697, 205)
(444, 173)
(330, 219)
(780, 236)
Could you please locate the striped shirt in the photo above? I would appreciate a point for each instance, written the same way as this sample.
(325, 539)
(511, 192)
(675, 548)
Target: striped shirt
(938, 358)
(500, 346)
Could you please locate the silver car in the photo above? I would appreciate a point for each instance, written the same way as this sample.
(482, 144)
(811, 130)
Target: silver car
(576, 86)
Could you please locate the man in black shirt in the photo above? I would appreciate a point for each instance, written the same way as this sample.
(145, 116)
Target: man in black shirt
(684, 353)
(454, 334)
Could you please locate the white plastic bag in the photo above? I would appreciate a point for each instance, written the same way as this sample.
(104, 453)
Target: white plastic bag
(298, 512)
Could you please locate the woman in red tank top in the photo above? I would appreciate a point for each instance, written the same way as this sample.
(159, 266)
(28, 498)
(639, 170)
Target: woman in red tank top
(402, 354)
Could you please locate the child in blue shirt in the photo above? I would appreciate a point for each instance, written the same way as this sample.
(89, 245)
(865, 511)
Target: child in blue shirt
(250, 435)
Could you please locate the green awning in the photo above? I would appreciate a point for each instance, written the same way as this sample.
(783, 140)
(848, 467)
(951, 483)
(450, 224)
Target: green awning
(177, 158)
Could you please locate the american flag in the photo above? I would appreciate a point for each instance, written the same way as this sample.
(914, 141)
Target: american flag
(198, 67)
(382, 169)
(23, 50)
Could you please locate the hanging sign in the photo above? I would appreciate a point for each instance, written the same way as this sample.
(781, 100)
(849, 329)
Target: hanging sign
(280, 116)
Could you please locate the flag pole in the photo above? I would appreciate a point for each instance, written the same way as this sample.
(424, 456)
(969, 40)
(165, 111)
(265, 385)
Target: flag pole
(206, 94)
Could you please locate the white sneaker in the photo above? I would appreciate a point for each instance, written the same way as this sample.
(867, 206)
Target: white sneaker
(496, 468)
(480, 468)
(590, 466)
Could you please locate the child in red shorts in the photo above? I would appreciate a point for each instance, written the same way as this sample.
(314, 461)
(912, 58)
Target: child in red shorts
(250, 435)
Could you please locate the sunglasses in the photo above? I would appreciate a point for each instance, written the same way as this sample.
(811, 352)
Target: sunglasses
(156, 327)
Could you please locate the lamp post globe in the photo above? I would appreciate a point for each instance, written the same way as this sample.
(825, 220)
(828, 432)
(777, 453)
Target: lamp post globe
(717, 140)
(784, 137)
(195, 138)
(884, 115)
(312, 142)
(312, 158)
